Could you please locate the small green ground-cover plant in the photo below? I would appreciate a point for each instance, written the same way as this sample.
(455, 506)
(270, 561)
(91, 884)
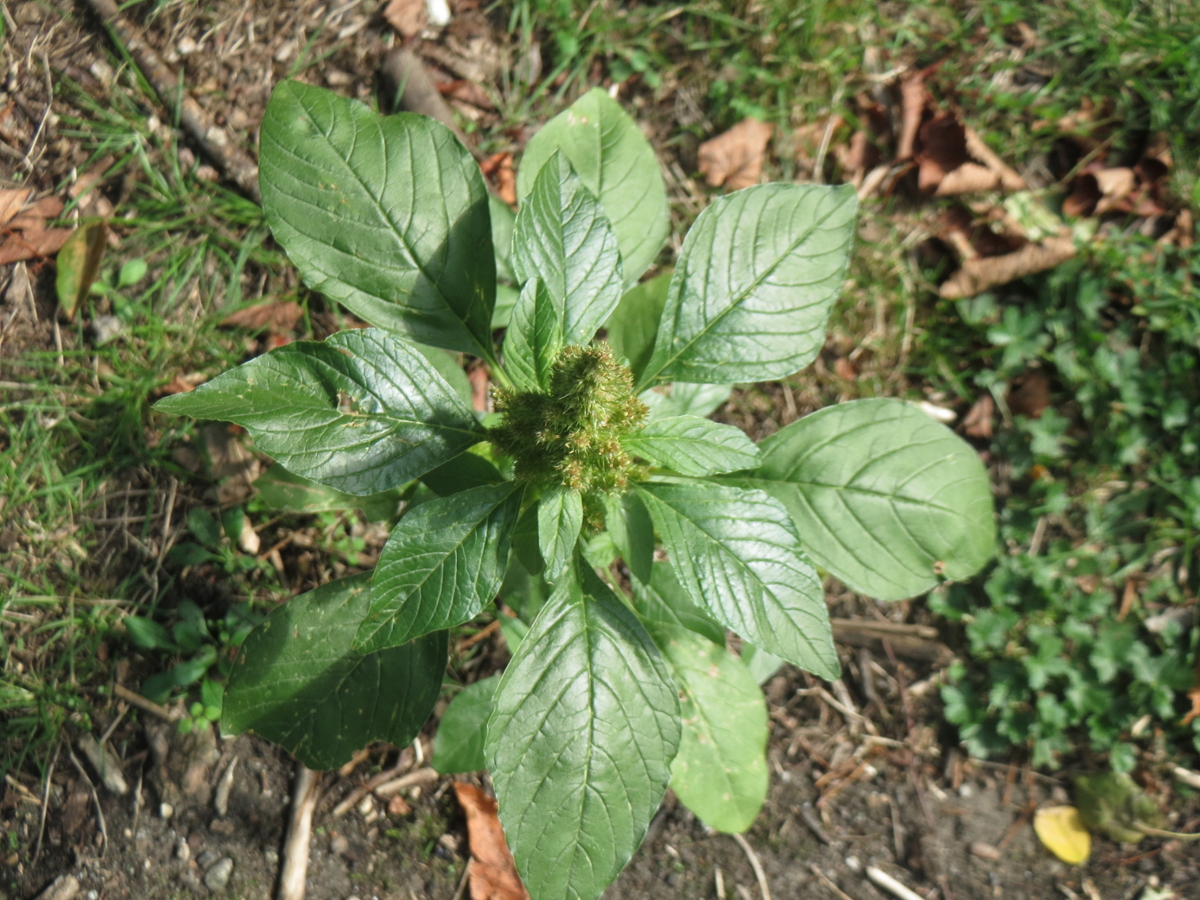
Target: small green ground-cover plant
(1081, 637)
(620, 680)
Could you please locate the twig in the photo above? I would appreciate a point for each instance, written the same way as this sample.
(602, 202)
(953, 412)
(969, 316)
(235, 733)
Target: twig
(755, 865)
(95, 799)
(142, 703)
(27, 160)
(478, 636)
(368, 786)
(842, 895)
(809, 818)
(720, 884)
(46, 802)
(299, 835)
(418, 777)
(214, 141)
(462, 882)
(882, 879)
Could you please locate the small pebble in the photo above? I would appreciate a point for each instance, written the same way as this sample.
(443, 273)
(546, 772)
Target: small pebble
(338, 845)
(217, 878)
(271, 855)
(187, 46)
(183, 851)
(985, 851)
(206, 858)
(221, 826)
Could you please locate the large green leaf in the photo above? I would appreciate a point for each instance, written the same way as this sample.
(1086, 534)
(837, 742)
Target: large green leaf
(388, 215)
(885, 498)
(280, 489)
(585, 726)
(534, 337)
(737, 554)
(662, 599)
(691, 445)
(442, 564)
(458, 746)
(720, 772)
(560, 519)
(361, 411)
(617, 164)
(563, 237)
(629, 525)
(634, 323)
(299, 683)
(686, 399)
(754, 284)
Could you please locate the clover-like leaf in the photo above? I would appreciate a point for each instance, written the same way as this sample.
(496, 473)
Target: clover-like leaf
(617, 164)
(737, 554)
(361, 412)
(585, 726)
(887, 499)
(442, 564)
(299, 682)
(754, 285)
(387, 215)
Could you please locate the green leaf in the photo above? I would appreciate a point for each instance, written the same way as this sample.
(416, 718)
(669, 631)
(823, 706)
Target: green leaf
(442, 563)
(204, 527)
(361, 411)
(148, 634)
(560, 519)
(664, 601)
(503, 220)
(458, 746)
(280, 489)
(299, 683)
(467, 470)
(634, 323)
(533, 339)
(720, 772)
(887, 499)
(585, 725)
(762, 665)
(448, 366)
(387, 215)
(691, 445)
(563, 238)
(686, 399)
(629, 525)
(754, 284)
(617, 164)
(737, 554)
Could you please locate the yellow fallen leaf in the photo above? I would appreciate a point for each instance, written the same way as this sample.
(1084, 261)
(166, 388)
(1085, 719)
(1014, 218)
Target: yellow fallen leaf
(1061, 830)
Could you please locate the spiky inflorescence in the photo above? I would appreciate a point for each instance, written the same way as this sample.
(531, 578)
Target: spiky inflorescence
(572, 434)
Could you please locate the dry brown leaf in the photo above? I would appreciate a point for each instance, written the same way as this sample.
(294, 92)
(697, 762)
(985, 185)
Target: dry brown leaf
(398, 806)
(1029, 394)
(977, 275)
(467, 92)
(978, 423)
(480, 385)
(969, 178)
(843, 368)
(498, 168)
(278, 315)
(32, 243)
(11, 201)
(406, 16)
(232, 466)
(492, 871)
(90, 178)
(735, 158)
(1009, 179)
(1098, 191)
(912, 108)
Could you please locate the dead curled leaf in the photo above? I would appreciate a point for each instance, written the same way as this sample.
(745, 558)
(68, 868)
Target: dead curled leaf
(912, 108)
(11, 201)
(498, 168)
(978, 422)
(977, 275)
(735, 159)
(408, 17)
(953, 159)
(493, 873)
(278, 315)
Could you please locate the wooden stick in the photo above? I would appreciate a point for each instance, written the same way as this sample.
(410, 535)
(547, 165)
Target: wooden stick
(233, 163)
(842, 895)
(882, 879)
(299, 835)
(755, 865)
(142, 703)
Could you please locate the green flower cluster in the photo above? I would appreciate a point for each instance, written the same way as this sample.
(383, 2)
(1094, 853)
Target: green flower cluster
(571, 434)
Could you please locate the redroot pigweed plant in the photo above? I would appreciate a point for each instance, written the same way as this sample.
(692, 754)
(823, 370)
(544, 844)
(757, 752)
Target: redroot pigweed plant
(599, 452)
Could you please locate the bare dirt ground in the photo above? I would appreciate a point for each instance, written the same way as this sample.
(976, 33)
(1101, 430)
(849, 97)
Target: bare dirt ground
(863, 773)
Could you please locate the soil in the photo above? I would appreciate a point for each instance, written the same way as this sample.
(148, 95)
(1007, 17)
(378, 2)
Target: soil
(859, 779)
